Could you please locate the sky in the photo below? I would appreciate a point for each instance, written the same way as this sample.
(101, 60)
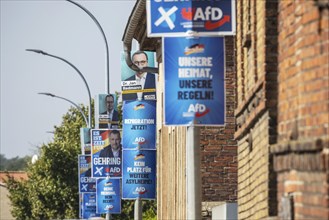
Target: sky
(62, 29)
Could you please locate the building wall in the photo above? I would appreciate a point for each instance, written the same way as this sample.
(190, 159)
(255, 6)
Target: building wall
(255, 112)
(282, 109)
(301, 156)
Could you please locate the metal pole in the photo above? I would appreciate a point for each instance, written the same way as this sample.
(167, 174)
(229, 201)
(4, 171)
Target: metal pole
(76, 69)
(193, 173)
(138, 209)
(78, 107)
(105, 40)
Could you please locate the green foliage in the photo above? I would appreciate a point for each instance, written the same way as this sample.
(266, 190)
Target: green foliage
(51, 191)
(13, 164)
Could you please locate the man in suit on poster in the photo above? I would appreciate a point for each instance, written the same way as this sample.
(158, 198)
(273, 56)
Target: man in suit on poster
(114, 148)
(147, 81)
(113, 115)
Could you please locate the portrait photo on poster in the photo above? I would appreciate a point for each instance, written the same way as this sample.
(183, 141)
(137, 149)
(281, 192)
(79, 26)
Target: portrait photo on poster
(108, 115)
(138, 85)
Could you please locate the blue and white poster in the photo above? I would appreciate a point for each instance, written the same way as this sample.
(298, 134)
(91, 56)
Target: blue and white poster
(139, 125)
(139, 174)
(175, 18)
(194, 81)
(108, 196)
(106, 151)
(89, 205)
(86, 182)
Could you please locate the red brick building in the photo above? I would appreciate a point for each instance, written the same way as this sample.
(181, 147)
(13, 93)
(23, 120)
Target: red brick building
(283, 109)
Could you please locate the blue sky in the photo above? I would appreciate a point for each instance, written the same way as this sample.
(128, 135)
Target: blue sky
(62, 29)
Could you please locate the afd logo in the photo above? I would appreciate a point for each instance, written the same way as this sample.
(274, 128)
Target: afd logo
(109, 207)
(199, 110)
(212, 16)
(140, 140)
(140, 190)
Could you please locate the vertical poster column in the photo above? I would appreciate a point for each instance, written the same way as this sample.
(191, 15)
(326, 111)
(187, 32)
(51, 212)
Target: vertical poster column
(139, 154)
(106, 152)
(194, 81)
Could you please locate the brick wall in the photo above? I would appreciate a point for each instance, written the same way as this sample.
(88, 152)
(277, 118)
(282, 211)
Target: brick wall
(218, 147)
(301, 156)
(256, 109)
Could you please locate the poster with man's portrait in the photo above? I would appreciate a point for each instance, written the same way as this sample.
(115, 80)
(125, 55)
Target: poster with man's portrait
(107, 115)
(138, 85)
(106, 151)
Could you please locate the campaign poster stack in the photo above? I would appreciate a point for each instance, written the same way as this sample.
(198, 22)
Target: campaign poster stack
(87, 188)
(139, 150)
(107, 169)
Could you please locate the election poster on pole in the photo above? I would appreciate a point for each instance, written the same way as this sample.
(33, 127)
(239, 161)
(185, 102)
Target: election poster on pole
(139, 174)
(108, 196)
(106, 152)
(89, 205)
(86, 182)
(139, 125)
(194, 81)
(106, 111)
(176, 18)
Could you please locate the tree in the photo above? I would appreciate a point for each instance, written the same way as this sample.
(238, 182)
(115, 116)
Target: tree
(51, 191)
(13, 164)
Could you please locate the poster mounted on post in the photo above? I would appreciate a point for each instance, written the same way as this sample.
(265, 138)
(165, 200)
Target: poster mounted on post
(176, 18)
(89, 205)
(86, 182)
(138, 85)
(194, 81)
(139, 125)
(139, 174)
(106, 151)
(106, 111)
(108, 196)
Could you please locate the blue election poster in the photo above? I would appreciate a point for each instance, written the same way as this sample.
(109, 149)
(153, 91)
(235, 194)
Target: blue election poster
(139, 125)
(175, 18)
(139, 174)
(108, 195)
(194, 81)
(89, 206)
(86, 182)
(106, 152)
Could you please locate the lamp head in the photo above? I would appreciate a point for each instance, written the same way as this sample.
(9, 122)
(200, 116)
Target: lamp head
(46, 93)
(37, 51)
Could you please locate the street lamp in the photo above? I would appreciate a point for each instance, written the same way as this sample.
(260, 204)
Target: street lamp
(77, 106)
(105, 40)
(76, 69)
